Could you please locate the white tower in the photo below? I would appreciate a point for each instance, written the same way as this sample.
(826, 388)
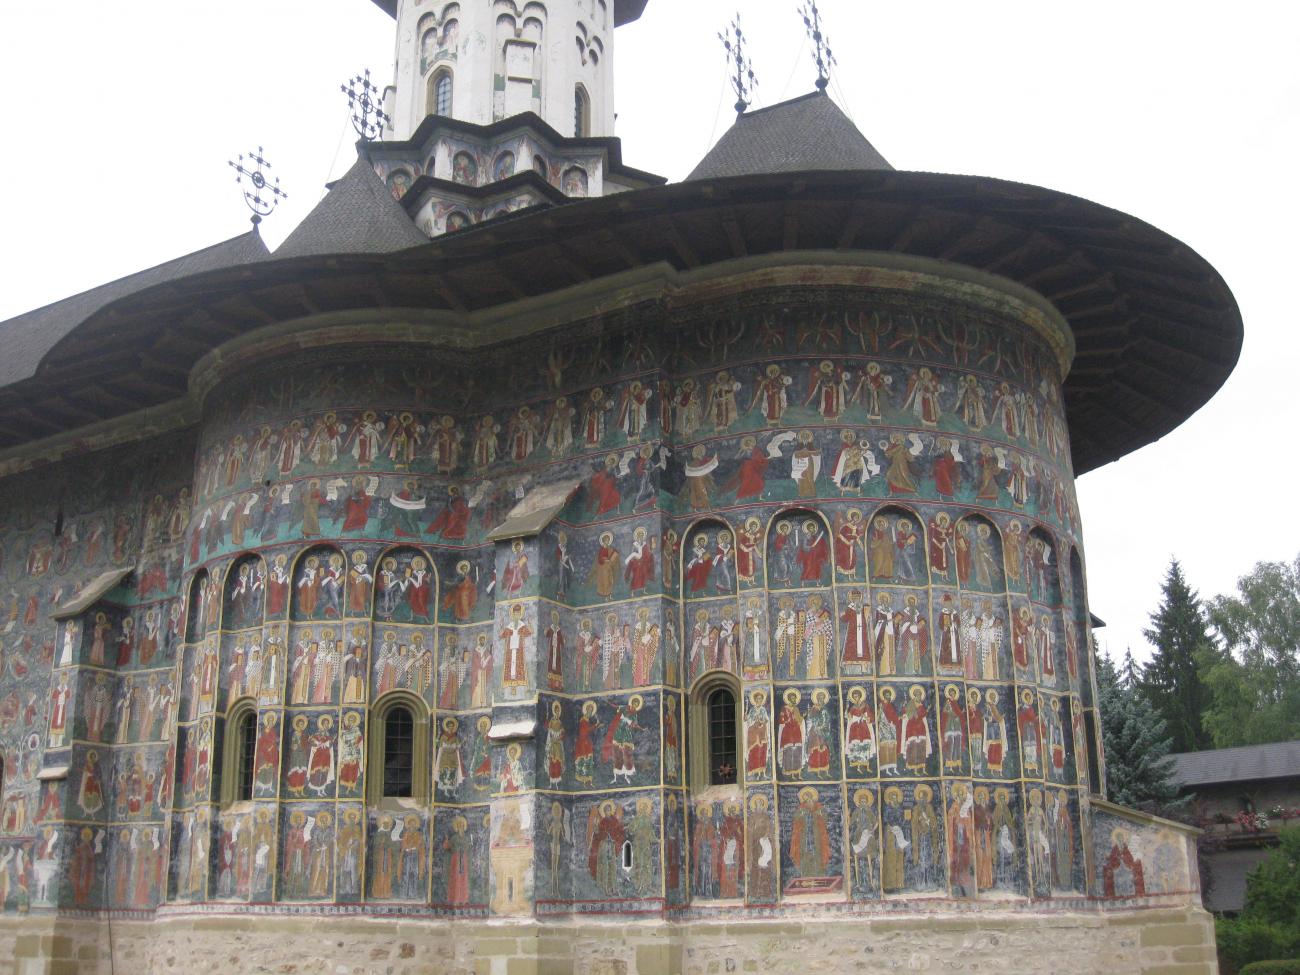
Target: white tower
(473, 77)
(481, 61)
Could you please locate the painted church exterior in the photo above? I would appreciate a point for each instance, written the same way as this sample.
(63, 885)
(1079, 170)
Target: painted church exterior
(532, 567)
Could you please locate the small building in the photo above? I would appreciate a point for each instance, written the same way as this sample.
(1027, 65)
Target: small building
(1243, 797)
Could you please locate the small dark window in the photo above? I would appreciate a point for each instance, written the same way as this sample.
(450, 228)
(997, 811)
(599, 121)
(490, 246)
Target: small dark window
(580, 113)
(247, 756)
(442, 95)
(399, 752)
(627, 855)
(1094, 753)
(722, 737)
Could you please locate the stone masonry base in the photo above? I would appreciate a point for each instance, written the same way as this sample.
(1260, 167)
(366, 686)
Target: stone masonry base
(1151, 941)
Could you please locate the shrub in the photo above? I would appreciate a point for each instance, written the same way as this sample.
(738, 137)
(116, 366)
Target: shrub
(1269, 926)
(1291, 967)
(1245, 940)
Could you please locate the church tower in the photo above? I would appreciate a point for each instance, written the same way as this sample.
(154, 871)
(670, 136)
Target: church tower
(486, 92)
(486, 61)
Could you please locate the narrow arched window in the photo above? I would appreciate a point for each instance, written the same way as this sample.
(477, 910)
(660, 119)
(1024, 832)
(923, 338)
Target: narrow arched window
(247, 754)
(237, 763)
(581, 113)
(440, 94)
(399, 753)
(397, 749)
(721, 708)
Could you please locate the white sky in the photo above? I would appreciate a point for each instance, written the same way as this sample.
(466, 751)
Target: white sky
(121, 117)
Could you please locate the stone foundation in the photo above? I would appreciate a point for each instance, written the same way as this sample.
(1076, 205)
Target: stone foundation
(1152, 941)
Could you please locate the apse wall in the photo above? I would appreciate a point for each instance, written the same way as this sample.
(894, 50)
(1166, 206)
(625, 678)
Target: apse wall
(842, 496)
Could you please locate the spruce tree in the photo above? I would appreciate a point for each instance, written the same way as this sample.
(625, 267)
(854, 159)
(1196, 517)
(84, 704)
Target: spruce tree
(1138, 772)
(1172, 682)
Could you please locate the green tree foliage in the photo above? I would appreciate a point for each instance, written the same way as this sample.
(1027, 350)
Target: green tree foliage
(1255, 684)
(1172, 682)
(1138, 772)
(1268, 927)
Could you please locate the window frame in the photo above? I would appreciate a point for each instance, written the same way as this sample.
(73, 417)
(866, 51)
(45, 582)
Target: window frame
(700, 730)
(581, 113)
(436, 79)
(376, 749)
(233, 748)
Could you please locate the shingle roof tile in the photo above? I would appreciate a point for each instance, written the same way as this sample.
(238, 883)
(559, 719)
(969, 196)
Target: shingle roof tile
(26, 338)
(1245, 764)
(357, 216)
(800, 135)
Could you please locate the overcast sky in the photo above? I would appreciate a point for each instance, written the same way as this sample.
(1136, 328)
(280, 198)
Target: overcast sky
(121, 117)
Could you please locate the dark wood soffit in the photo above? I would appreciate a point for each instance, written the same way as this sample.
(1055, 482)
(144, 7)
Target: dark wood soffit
(1112, 275)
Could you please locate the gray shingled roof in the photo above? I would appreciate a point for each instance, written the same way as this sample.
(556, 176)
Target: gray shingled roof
(1248, 763)
(804, 134)
(26, 338)
(357, 216)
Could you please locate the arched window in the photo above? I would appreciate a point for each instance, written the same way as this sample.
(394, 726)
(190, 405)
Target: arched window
(239, 753)
(722, 736)
(714, 731)
(247, 732)
(581, 113)
(440, 93)
(398, 751)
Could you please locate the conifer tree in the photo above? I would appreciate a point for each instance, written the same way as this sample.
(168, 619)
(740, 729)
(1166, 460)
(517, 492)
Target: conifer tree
(1138, 772)
(1172, 682)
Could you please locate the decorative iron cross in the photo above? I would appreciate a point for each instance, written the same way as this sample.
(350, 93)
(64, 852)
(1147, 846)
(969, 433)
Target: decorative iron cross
(367, 117)
(259, 204)
(744, 82)
(812, 22)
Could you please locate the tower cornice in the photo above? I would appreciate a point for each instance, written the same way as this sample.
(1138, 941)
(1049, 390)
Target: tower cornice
(625, 11)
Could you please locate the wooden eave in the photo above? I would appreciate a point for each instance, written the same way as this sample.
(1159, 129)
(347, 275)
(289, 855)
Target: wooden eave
(1134, 296)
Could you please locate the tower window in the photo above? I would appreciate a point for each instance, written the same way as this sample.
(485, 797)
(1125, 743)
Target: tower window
(399, 753)
(722, 737)
(581, 113)
(440, 94)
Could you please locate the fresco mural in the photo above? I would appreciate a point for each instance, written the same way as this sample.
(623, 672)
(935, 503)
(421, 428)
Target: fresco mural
(863, 526)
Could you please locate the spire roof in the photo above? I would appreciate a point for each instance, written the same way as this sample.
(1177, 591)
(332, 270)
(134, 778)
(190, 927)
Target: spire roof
(357, 216)
(804, 134)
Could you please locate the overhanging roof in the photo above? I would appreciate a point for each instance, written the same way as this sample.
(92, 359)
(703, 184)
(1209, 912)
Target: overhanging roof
(27, 338)
(427, 132)
(625, 11)
(1248, 763)
(95, 590)
(1156, 329)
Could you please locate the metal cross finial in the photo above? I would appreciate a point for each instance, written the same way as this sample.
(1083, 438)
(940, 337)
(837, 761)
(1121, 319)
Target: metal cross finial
(367, 117)
(259, 204)
(744, 82)
(812, 21)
